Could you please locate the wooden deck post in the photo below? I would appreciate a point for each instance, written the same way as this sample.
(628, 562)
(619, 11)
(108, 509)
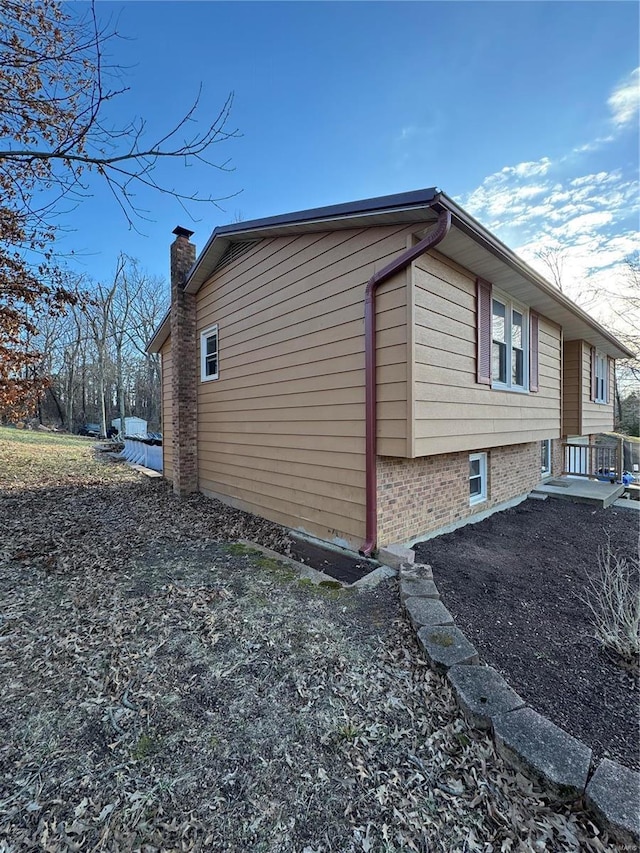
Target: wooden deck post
(620, 465)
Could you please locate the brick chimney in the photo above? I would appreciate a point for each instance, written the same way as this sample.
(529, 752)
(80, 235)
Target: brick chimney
(184, 361)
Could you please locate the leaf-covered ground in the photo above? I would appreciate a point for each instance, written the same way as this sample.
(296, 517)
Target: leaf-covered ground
(165, 689)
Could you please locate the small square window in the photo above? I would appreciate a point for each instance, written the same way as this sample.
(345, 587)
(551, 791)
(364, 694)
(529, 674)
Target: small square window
(477, 478)
(209, 354)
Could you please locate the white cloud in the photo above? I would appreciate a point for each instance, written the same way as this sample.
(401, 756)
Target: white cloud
(587, 219)
(624, 101)
(593, 179)
(507, 192)
(527, 170)
(624, 105)
(594, 145)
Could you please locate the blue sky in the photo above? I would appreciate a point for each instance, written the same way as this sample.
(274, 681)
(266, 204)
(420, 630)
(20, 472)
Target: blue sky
(526, 113)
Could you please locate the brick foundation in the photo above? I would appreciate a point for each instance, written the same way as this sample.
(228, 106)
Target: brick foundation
(557, 457)
(184, 361)
(417, 496)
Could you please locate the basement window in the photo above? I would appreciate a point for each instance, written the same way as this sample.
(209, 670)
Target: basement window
(477, 478)
(209, 354)
(545, 458)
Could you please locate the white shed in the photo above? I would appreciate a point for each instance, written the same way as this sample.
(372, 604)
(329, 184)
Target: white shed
(132, 427)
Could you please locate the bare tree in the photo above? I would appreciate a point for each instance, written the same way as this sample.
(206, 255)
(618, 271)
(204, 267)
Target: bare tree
(620, 293)
(126, 293)
(147, 310)
(54, 135)
(74, 343)
(622, 297)
(96, 354)
(553, 258)
(100, 316)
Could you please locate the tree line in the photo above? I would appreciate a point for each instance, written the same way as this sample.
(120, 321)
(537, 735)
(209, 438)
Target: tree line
(92, 360)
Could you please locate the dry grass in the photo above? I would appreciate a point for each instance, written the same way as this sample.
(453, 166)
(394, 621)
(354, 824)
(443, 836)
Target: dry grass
(35, 460)
(613, 597)
(165, 690)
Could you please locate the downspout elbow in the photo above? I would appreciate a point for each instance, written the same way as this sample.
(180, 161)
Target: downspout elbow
(400, 263)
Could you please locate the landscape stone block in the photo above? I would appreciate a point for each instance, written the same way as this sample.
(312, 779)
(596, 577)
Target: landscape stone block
(613, 794)
(446, 646)
(534, 745)
(396, 555)
(417, 587)
(375, 577)
(482, 694)
(417, 571)
(427, 611)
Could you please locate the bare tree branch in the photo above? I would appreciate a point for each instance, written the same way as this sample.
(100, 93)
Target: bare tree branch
(55, 90)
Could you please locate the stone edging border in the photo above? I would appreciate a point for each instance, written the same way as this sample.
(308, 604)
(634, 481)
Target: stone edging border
(525, 739)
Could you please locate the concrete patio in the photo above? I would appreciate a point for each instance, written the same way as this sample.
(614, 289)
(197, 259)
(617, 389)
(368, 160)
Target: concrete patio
(580, 490)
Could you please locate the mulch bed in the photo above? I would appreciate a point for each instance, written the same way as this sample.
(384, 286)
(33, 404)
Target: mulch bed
(514, 584)
(338, 564)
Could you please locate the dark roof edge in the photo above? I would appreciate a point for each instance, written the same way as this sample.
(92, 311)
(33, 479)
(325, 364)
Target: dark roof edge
(416, 198)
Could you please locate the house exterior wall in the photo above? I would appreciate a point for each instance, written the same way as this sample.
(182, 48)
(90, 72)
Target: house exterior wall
(581, 415)
(167, 416)
(596, 417)
(419, 496)
(452, 411)
(281, 431)
(572, 388)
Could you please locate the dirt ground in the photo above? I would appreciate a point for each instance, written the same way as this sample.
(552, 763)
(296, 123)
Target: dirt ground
(164, 689)
(515, 584)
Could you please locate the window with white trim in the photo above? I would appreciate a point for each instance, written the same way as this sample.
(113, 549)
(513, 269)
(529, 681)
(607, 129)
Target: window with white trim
(601, 378)
(477, 478)
(209, 354)
(545, 457)
(509, 334)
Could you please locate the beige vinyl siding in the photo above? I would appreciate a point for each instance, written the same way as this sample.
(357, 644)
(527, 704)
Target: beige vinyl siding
(391, 362)
(572, 389)
(596, 417)
(167, 425)
(452, 411)
(281, 432)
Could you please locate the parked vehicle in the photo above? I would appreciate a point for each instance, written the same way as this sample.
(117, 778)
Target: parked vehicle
(92, 430)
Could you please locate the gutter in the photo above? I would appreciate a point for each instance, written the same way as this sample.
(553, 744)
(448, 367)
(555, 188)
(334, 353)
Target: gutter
(400, 263)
